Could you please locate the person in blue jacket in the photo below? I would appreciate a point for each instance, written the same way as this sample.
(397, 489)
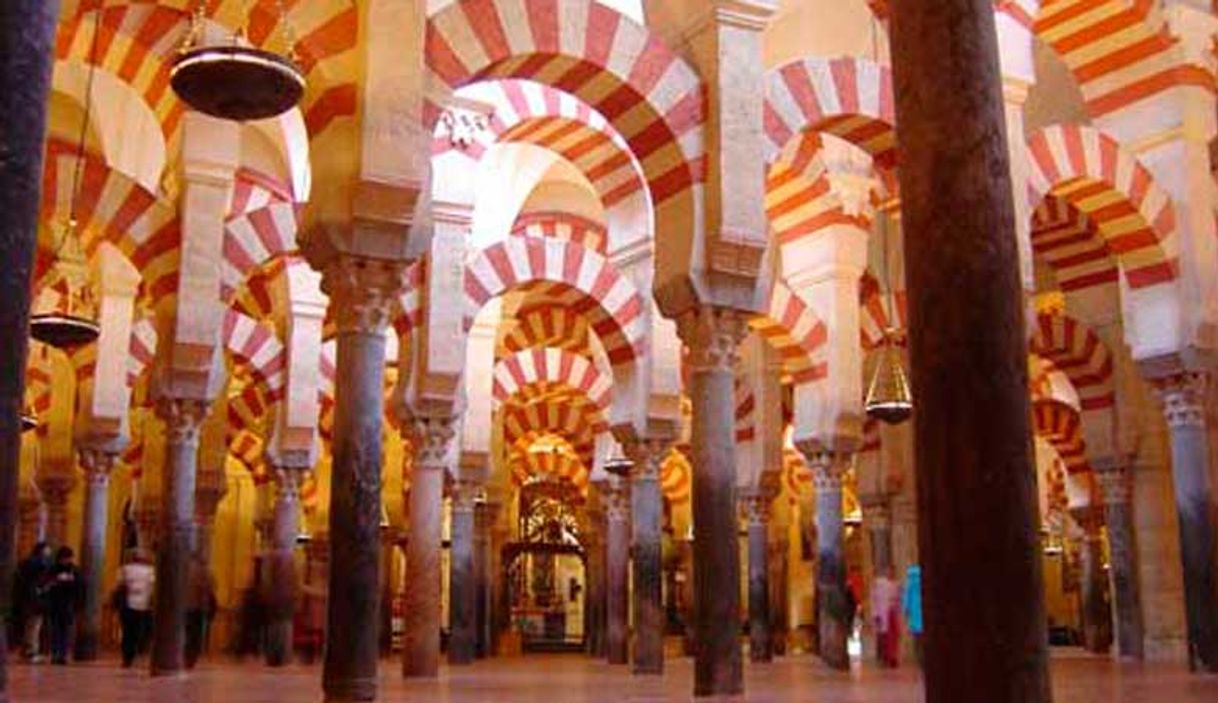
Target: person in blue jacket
(911, 607)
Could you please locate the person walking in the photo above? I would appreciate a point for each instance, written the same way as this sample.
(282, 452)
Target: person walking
(885, 597)
(65, 595)
(133, 596)
(911, 607)
(201, 608)
(31, 588)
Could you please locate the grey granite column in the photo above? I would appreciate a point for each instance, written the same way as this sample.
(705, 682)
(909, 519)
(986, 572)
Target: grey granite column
(362, 293)
(828, 470)
(97, 464)
(183, 418)
(616, 497)
(1116, 490)
(646, 525)
(421, 644)
(982, 588)
(27, 40)
(462, 591)
(1093, 586)
(712, 336)
(757, 513)
(281, 559)
(485, 515)
(1183, 397)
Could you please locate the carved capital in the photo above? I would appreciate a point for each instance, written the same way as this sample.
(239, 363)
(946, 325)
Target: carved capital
(1091, 519)
(465, 495)
(647, 455)
(97, 464)
(877, 512)
(756, 507)
(288, 480)
(828, 467)
(432, 439)
(1115, 483)
(1183, 396)
(615, 497)
(363, 292)
(55, 488)
(183, 418)
(713, 337)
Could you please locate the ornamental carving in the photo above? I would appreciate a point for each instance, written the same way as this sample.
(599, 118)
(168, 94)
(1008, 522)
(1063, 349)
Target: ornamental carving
(756, 507)
(616, 500)
(1183, 397)
(647, 456)
(363, 292)
(183, 418)
(713, 337)
(828, 467)
(1115, 484)
(432, 436)
(97, 464)
(463, 126)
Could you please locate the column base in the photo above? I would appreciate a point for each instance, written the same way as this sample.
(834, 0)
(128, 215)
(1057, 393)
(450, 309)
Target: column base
(279, 643)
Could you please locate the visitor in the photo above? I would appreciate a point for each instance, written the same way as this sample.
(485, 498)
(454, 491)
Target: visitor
(885, 601)
(30, 590)
(65, 595)
(911, 608)
(133, 597)
(200, 609)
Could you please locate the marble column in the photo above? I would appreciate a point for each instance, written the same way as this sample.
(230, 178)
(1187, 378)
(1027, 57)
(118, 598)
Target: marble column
(1093, 586)
(828, 470)
(976, 481)
(877, 518)
(462, 591)
(27, 35)
(55, 488)
(594, 598)
(779, 620)
(1183, 398)
(362, 294)
(647, 525)
(486, 513)
(183, 419)
(421, 644)
(616, 497)
(757, 513)
(97, 464)
(713, 336)
(281, 560)
(210, 489)
(1116, 490)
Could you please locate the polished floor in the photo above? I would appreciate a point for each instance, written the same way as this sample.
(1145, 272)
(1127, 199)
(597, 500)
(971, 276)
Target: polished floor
(574, 679)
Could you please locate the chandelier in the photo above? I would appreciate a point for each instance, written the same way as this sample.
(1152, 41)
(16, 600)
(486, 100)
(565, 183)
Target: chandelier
(29, 421)
(233, 81)
(65, 314)
(888, 396)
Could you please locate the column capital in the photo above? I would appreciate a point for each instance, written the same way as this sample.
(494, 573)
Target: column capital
(828, 466)
(1183, 396)
(97, 463)
(432, 438)
(615, 497)
(363, 291)
(1115, 482)
(183, 418)
(288, 480)
(647, 454)
(54, 487)
(713, 336)
(465, 494)
(877, 511)
(756, 507)
(1091, 519)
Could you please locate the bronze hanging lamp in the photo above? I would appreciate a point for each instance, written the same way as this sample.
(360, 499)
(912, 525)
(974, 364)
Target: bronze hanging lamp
(233, 81)
(29, 421)
(71, 320)
(888, 397)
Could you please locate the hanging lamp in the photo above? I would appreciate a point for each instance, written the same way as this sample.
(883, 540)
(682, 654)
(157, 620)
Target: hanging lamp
(233, 81)
(71, 320)
(29, 421)
(888, 397)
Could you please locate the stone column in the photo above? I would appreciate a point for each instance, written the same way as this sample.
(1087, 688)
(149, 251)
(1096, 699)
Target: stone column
(712, 336)
(779, 621)
(281, 559)
(462, 591)
(97, 464)
(976, 483)
(1093, 586)
(27, 35)
(757, 512)
(362, 292)
(1116, 492)
(594, 607)
(55, 488)
(210, 489)
(421, 645)
(31, 519)
(1183, 397)
(877, 518)
(616, 498)
(486, 514)
(647, 525)
(183, 418)
(828, 470)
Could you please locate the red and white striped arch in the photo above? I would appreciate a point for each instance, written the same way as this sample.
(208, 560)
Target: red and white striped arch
(1092, 172)
(796, 476)
(140, 39)
(254, 190)
(563, 226)
(1120, 51)
(620, 69)
(875, 318)
(524, 372)
(746, 406)
(676, 476)
(1022, 11)
(560, 465)
(141, 350)
(547, 325)
(254, 238)
(1060, 425)
(793, 330)
(38, 393)
(1069, 242)
(256, 345)
(615, 307)
(1077, 352)
(112, 207)
(577, 421)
